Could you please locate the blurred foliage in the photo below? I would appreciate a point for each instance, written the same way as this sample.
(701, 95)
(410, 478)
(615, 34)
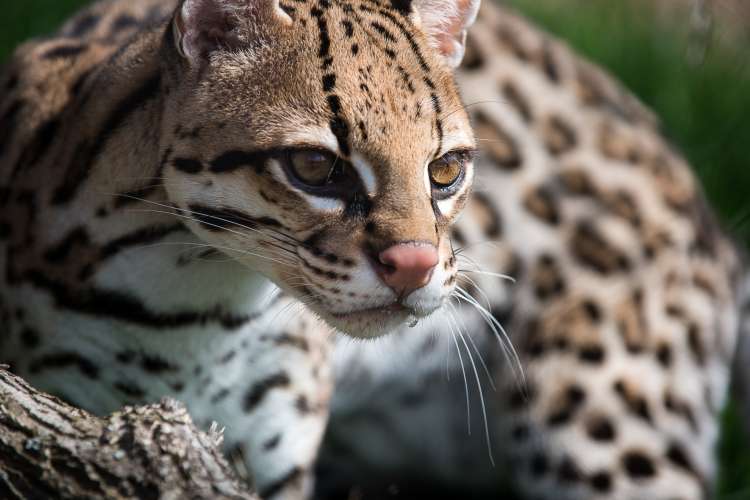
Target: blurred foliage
(23, 19)
(704, 103)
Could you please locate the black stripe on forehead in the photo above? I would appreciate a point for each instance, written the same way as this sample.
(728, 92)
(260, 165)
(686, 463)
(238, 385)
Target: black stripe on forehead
(385, 14)
(338, 123)
(404, 8)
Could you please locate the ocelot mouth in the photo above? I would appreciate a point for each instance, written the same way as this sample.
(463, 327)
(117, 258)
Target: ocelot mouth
(391, 309)
(371, 322)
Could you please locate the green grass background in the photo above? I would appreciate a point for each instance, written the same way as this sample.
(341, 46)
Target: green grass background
(705, 108)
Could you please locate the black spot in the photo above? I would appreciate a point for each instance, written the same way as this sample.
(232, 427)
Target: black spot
(272, 443)
(340, 129)
(125, 357)
(64, 52)
(601, 482)
(84, 25)
(542, 203)
(411, 40)
(30, 338)
(130, 389)
(592, 250)
(573, 397)
(228, 357)
(635, 402)
(568, 471)
(677, 455)
(258, 391)
(220, 396)
(187, 165)
(155, 364)
(334, 103)
(59, 253)
(233, 160)
(139, 237)
(664, 355)
(298, 342)
(592, 353)
(681, 408)
(302, 404)
(217, 219)
(63, 360)
(638, 465)
(386, 34)
(124, 21)
(592, 310)
(402, 6)
(348, 28)
(600, 429)
(37, 148)
(576, 395)
(325, 41)
(517, 100)
(329, 82)
(501, 148)
(695, 344)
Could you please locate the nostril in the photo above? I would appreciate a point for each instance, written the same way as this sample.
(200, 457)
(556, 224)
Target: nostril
(387, 262)
(383, 268)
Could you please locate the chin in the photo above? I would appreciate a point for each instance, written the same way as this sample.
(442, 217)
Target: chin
(369, 324)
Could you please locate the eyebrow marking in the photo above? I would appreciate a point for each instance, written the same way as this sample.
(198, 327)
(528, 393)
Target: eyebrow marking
(366, 173)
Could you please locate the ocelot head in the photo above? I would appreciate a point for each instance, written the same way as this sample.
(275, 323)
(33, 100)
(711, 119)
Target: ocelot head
(324, 144)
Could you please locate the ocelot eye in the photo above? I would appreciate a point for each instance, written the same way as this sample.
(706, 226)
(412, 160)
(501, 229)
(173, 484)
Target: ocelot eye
(312, 166)
(447, 172)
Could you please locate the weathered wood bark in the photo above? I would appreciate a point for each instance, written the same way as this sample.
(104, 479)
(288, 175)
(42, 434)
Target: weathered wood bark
(51, 450)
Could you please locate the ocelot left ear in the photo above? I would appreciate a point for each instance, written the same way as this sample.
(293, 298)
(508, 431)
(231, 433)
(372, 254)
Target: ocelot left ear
(205, 26)
(445, 22)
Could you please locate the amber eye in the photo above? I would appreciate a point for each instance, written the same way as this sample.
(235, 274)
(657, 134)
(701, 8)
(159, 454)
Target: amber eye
(312, 167)
(447, 171)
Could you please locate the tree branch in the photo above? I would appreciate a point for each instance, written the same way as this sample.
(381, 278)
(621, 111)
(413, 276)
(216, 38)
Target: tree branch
(49, 449)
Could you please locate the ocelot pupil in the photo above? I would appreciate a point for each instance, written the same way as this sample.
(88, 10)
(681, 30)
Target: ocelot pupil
(445, 171)
(314, 168)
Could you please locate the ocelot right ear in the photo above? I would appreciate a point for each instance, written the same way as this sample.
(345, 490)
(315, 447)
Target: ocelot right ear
(445, 22)
(204, 26)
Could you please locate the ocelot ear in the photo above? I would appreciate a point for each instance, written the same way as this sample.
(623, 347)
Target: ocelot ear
(445, 23)
(204, 26)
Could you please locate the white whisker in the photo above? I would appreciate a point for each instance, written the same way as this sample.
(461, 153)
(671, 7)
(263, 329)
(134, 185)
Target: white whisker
(481, 399)
(487, 273)
(500, 334)
(457, 317)
(172, 207)
(463, 372)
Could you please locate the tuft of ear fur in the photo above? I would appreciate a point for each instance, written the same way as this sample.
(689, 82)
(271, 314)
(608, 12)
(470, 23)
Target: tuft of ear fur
(204, 26)
(445, 22)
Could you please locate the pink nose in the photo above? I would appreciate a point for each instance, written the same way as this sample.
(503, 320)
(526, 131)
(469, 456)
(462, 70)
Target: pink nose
(407, 266)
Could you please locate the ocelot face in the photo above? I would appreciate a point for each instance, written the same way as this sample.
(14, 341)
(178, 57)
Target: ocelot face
(324, 144)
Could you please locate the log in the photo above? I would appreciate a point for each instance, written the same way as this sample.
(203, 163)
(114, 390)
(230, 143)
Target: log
(50, 450)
